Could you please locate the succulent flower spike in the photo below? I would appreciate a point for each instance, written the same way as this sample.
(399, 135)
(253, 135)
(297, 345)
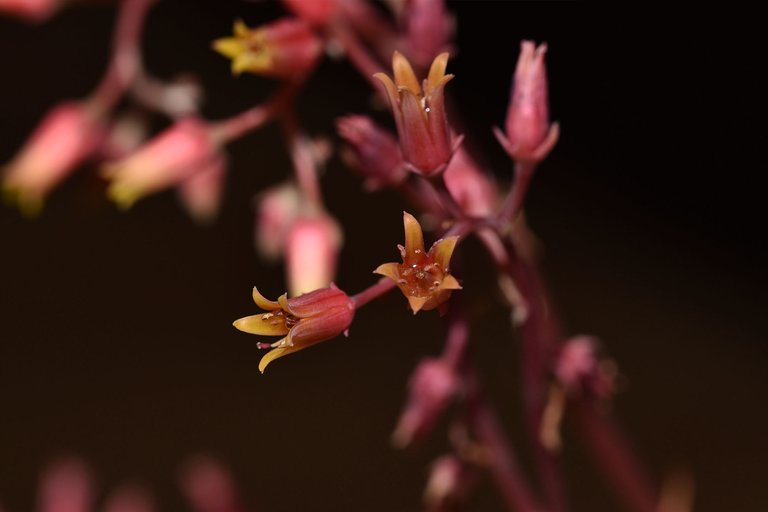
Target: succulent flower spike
(303, 321)
(419, 111)
(283, 49)
(423, 276)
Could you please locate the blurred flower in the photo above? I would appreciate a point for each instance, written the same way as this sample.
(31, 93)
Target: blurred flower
(422, 126)
(372, 151)
(449, 484)
(66, 136)
(423, 276)
(303, 321)
(316, 12)
(579, 369)
(432, 386)
(312, 248)
(65, 487)
(530, 136)
(209, 486)
(285, 48)
(277, 208)
(202, 192)
(180, 152)
(470, 187)
(428, 29)
(30, 10)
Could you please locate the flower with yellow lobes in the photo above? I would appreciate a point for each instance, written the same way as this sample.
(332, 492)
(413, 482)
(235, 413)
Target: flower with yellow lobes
(419, 111)
(282, 49)
(423, 276)
(302, 321)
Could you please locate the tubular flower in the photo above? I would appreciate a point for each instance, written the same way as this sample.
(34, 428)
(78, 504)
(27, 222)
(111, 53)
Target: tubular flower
(282, 49)
(419, 111)
(303, 321)
(423, 276)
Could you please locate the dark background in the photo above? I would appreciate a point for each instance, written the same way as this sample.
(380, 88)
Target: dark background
(115, 329)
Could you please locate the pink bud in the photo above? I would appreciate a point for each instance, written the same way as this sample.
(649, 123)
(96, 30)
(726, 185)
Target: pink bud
(470, 187)
(30, 10)
(277, 208)
(530, 136)
(373, 152)
(450, 481)
(169, 159)
(429, 30)
(65, 137)
(65, 487)
(432, 386)
(312, 248)
(316, 12)
(209, 487)
(201, 193)
(580, 370)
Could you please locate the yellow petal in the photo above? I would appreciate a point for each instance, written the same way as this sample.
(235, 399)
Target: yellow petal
(264, 324)
(263, 302)
(414, 238)
(404, 75)
(417, 303)
(389, 270)
(284, 305)
(390, 87)
(450, 283)
(442, 250)
(275, 353)
(229, 47)
(241, 29)
(437, 71)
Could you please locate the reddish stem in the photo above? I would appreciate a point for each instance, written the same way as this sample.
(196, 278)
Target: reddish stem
(256, 116)
(373, 292)
(513, 204)
(304, 162)
(125, 60)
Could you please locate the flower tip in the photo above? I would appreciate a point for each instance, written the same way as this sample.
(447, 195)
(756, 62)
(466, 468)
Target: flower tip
(417, 303)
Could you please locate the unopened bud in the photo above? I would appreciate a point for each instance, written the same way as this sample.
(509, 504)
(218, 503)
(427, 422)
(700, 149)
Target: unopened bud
(372, 151)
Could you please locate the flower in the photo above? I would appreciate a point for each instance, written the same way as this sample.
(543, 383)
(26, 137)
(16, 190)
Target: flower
(423, 276)
(30, 10)
(419, 111)
(311, 251)
(530, 136)
(303, 321)
(66, 136)
(472, 189)
(201, 193)
(282, 49)
(372, 151)
(171, 158)
(428, 29)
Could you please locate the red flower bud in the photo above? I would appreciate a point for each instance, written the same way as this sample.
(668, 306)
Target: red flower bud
(419, 111)
(303, 321)
(530, 136)
(372, 152)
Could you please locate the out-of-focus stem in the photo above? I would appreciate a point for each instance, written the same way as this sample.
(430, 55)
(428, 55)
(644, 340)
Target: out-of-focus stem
(514, 201)
(125, 60)
(511, 481)
(365, 63)
(256, 116)
(614, 457)
(373, 292)
(304, 162)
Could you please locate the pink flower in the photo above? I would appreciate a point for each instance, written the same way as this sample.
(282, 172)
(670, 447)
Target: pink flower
(277, 208)
(303, 321)
(312, 249)
(530, 136)
(171, 158)
(316, 12)
(209, 487)
(372, 151)
(579, 369)
(66, 136)
(201, 193)
(433, 385)
(66, 487)
(429, 29)
(472, 189)
(31, 10)
(419, 111)
(285, 48)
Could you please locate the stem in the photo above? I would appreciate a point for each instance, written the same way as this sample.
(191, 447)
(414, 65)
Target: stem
(615, 458)
(256, 116)
(125, 60)
(373, 292)
(514, 487)
(365, 63)
(304, 166)
(514, 201)
(448, 202)
(457, 339)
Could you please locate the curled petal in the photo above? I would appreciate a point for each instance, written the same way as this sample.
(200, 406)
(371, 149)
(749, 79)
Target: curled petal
(442, 250)
(437, 72)
(450, 283)
(389, 270)
(263, 302)
(265, 324)
(275, 354)
(404, 75)
(417, 303)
